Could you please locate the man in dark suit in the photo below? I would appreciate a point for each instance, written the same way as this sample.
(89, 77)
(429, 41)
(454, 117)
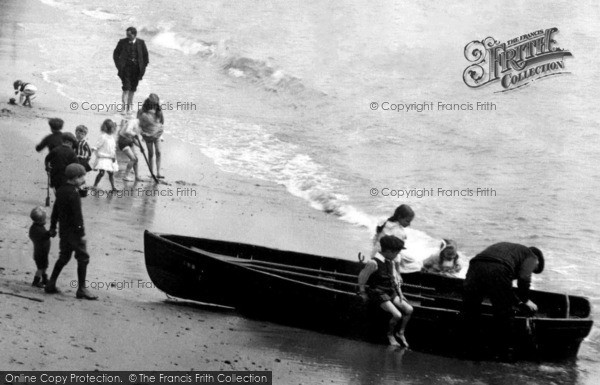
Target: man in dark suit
(131, 58)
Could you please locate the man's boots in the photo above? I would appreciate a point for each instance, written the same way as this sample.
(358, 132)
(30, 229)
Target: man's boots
(82, 292)
(51, 285)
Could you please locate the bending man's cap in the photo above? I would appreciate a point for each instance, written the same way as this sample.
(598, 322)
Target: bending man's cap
(538, 253)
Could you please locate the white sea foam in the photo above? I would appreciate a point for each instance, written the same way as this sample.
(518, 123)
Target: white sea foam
(53, 3)
(100, 14)
(46, 75)
(172, 40)
(249, 150)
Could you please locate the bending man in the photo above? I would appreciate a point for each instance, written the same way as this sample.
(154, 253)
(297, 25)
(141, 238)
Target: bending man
(490, 274)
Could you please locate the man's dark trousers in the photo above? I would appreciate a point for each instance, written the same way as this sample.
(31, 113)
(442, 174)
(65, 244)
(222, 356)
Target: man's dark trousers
(492, 280)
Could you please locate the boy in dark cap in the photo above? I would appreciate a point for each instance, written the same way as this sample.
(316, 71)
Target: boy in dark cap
(41, 245)
(67, 212)
(383, 280)
(54, 139)
(58, 159)
(490, 274)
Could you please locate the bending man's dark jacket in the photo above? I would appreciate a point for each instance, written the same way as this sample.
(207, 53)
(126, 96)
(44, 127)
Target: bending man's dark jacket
(519, 259)
(67, 212)
(120, 56)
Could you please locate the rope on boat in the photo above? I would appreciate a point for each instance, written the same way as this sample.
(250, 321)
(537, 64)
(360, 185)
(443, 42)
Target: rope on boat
(361, 257)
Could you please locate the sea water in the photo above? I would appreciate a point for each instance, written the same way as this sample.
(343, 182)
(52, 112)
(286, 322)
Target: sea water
(284, 92)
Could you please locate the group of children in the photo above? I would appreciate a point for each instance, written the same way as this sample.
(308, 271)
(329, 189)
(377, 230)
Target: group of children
(66, 148)
(380, 280)
(67, 163)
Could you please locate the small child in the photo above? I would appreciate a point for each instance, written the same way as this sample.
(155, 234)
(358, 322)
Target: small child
(394, 225)
(445, 262)
(384, 287)
(106, 153)
(41, 245)
(25, 91)
(53, 140)
(82, 150)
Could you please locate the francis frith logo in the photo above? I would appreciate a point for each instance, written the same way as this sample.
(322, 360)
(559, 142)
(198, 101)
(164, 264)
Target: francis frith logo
(516, 62)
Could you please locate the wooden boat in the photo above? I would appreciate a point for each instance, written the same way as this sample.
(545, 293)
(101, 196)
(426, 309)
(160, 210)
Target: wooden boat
(320, 293)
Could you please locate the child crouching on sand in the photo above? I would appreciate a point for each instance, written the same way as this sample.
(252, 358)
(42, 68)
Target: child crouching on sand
(25, 91)
(41, 245)
(383, 287)
(106, 153)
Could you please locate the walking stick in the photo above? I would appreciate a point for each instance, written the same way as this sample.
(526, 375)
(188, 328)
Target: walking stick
(148, 163)
(48, 190)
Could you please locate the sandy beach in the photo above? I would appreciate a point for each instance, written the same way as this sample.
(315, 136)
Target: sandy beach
(131, 325)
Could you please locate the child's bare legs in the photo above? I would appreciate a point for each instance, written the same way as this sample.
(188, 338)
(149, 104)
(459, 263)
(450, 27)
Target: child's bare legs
(389, 307)
(100, 175)
(130, 101)
(150, 147)
(406, 311)
(158, 153)
(111, 178)
(133, 163)
(126, 99)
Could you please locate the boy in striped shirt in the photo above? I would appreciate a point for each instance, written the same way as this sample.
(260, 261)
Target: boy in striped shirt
(82, 150)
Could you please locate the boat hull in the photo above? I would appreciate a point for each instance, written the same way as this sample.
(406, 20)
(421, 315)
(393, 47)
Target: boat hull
(234, 274)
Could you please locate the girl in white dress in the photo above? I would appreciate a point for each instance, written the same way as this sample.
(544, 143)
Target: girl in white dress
(106, 153)
(394, 225)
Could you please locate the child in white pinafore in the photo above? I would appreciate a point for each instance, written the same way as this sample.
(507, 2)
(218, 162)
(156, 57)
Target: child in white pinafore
(106, 153)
